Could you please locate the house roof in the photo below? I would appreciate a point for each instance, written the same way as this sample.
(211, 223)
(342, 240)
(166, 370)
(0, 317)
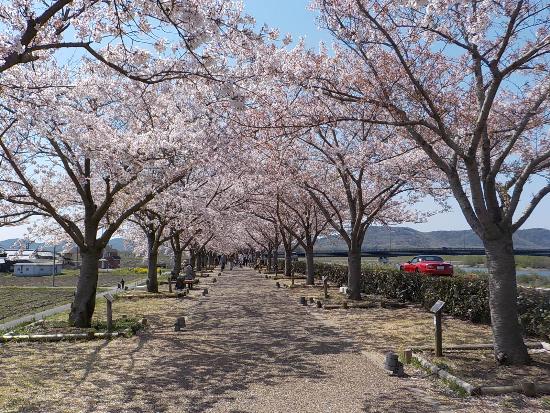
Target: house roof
(36, 263)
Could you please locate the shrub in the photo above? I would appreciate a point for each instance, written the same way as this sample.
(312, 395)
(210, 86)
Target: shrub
(465, 297)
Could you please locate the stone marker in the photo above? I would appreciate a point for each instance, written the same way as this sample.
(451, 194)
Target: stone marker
(528, 389)
(392, 364)
(180, 323)
(319, 304)
(311, 300)
(303, 301)
(345, 305)
(407, 356)
(205, 292)
(277, 284)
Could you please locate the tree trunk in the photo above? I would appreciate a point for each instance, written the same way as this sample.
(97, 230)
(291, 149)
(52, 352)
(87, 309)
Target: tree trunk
(288, 262)
(310, 272)
(152, 260)
(354, 273)
(198, 261)
(503, 292)
(268, 263)
(192, 258)
(178, 256)
(83, 305)
(274, 259)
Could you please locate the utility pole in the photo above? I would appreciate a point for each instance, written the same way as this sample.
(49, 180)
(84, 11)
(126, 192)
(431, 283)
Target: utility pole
(54, 268)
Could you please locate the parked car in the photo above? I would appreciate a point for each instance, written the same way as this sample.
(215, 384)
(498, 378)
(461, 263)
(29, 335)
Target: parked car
(427, 264)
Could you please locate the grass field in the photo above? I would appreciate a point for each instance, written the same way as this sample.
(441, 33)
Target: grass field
(69, 278)
(21, 296)
(19, 301)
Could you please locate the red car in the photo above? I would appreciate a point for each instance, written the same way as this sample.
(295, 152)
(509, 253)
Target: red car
(428, 264)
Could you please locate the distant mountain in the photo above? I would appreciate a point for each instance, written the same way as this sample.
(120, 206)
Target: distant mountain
(379, 237)
(403, 237)
(12, 243)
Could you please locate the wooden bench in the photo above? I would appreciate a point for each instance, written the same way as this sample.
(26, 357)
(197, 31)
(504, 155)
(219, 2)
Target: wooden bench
(189, 283)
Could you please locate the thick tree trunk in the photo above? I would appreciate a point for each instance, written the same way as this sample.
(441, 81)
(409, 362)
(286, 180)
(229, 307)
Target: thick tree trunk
(310, 272)
(354, 273)
(83, 305)
(288, 262)
(503, 292)
(152, 260)
(178, 257)
(275, 259)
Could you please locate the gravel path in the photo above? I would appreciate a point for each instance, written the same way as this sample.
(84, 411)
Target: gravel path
(247, 348)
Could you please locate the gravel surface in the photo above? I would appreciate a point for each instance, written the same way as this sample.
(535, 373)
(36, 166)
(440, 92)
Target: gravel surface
(248, 347)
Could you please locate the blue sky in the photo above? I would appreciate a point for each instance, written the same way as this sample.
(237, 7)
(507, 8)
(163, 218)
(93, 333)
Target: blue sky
(292, 16)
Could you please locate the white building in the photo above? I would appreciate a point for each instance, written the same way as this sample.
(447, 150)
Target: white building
(36, 269)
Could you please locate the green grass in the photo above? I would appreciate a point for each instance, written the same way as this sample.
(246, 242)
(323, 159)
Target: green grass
(61, 325)
(534, 280)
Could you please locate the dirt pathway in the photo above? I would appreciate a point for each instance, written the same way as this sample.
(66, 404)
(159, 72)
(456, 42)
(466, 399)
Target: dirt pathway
(247, 348)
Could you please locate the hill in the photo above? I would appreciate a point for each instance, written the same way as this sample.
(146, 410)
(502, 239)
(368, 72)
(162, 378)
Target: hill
(404, 237)
(12, 243)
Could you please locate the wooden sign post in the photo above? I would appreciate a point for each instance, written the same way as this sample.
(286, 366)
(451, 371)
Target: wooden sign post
(110, 300)
(437, 310)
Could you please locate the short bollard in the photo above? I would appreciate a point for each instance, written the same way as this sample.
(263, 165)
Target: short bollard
(529, 389)
(393, 365)
(319, 304)
(180, 323)
(277, 284)
(303, 301)
(407, 356)
(205, 292)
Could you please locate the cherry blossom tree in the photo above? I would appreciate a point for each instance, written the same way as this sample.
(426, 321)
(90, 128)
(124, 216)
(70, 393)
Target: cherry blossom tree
(354, 180)
(92, 162)
(469, 83)
(308, 224)
(143, 40)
